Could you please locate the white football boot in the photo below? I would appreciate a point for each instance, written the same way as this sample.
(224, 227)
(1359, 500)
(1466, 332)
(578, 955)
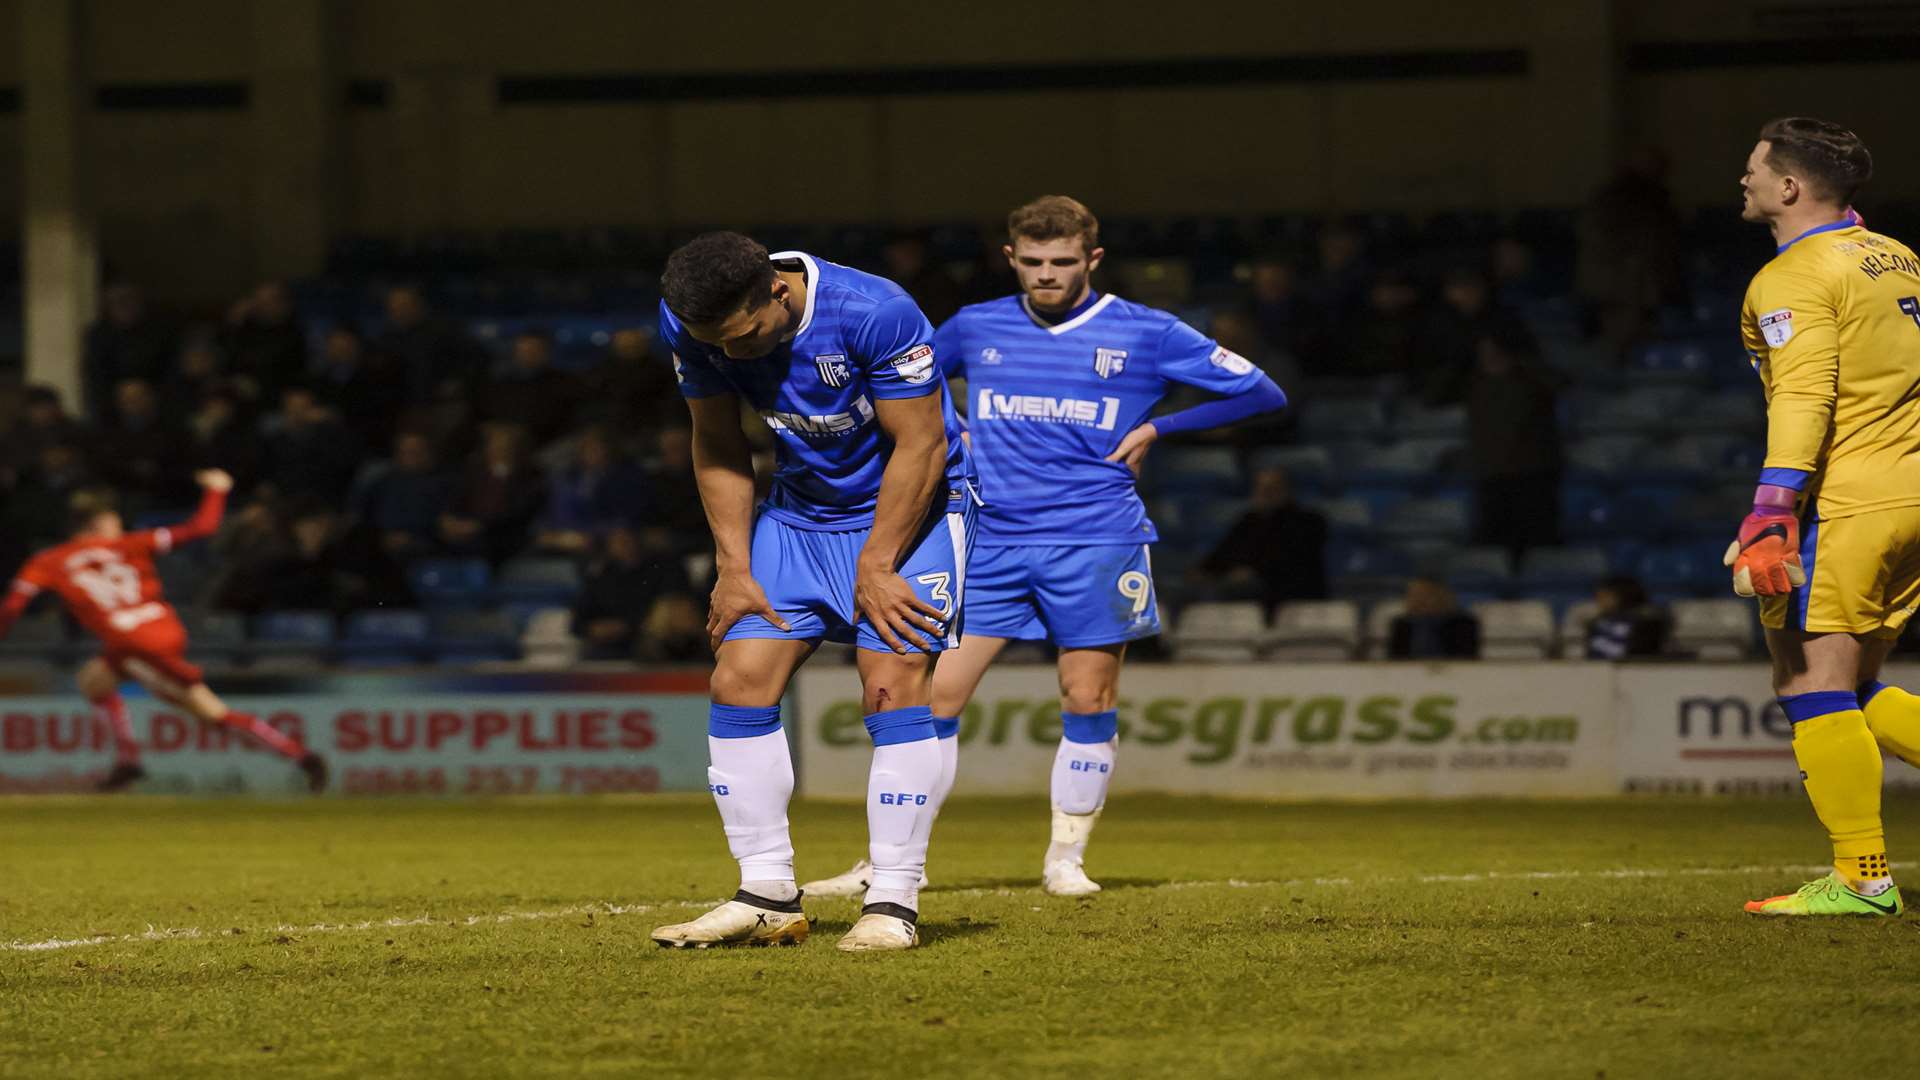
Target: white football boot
(744, 920)
(849, 885)
(882, 928)
(1066, 877)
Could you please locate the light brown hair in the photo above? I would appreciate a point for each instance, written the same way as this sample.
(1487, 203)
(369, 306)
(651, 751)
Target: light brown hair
(1054, 217)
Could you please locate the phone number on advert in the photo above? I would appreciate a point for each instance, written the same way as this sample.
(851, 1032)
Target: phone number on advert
(497, 780)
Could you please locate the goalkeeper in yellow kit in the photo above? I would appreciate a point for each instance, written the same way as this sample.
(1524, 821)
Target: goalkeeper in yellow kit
(1832, 548)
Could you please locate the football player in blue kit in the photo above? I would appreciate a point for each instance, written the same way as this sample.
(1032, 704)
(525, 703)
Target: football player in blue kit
(863, 540)
(1059, 381)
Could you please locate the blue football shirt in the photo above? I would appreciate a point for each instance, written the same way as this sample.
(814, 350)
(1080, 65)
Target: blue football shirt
(1048, 403)
(860, 339)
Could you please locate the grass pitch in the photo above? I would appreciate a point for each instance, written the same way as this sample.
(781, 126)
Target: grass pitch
(427, 939)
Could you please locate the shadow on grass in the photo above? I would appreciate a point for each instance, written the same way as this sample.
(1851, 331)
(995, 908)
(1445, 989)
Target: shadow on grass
(1032, 884)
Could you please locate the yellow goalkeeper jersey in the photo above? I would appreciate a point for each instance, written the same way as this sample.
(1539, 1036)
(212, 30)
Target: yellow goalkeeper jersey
(1833, 327)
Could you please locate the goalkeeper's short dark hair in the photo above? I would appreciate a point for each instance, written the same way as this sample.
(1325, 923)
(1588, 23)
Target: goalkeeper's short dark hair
(714, 275)
(1827, 157)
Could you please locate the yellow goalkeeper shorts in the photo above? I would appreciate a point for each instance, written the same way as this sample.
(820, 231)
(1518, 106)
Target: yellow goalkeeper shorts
(1863, 576)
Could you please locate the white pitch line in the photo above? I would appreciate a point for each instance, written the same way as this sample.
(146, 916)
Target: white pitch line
(193, 933)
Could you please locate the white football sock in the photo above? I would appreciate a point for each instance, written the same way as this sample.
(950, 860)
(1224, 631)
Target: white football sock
(949, 768)
(1081, 772)
(752, 782)
(901, 806)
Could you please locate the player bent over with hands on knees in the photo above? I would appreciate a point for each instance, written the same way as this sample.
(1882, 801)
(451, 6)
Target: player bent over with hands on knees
(1059, 380)
(106, 578)
(863, 539)
(1832, 547)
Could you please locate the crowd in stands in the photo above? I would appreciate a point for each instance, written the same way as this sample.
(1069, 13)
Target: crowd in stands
(1484, 413)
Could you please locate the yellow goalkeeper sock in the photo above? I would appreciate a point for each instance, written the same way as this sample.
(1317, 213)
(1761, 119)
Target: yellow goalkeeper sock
(1840, 765)
(1893, 715)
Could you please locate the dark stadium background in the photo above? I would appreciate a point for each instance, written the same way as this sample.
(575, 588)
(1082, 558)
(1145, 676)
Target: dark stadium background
(468, 203)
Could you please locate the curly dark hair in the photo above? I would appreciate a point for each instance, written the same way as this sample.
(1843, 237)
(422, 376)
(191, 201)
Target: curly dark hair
(1829, 158)
(714, 275)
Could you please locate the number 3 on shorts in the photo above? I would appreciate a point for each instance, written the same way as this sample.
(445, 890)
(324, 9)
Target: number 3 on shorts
(1136, 587)
(937, 587)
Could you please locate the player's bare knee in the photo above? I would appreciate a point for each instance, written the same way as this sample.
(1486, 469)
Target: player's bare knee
(736, 683)
(890, 681)
(1087, 693)
(95, 679)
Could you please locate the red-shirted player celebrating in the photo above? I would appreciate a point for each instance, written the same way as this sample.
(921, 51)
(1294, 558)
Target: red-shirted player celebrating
(105, 576)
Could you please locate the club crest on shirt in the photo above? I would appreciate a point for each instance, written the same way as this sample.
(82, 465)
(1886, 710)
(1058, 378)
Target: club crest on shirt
(833, 369)
(1777, 327)
(1229, 361)
(991, 355)
(1109, 362)
(916, 364)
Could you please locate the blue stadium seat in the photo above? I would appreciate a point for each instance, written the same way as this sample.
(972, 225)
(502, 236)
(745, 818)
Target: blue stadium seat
(1198, 468)
(1641, 410)
(384, 637)
(1380, 500)
(1482, 569)
(1439, 518)
(1687, 360)
(1738, 411)
(37, 637)
(1684, 568)
(1407, 463)
(532, 579)
(1416, 421)
(1343, 418)
(1604, 457)
(1307, 465)
(291, 635)
(215, 637)
(464, 637)
(1562, 568)
(449, 581)
(1590, 510)
(1365, 572)
(1346, 515)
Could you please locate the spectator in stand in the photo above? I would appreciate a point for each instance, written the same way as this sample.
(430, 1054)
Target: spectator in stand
(143, 452)
(621, 600)
(43, 422)
(599, 492)
(1345, 275)
(327, 564)
(1239, 331)
(1451, 341)
(632, 388)
(1287, 319)
(266, 342)
(405, 503)
(1384, 339)
(1517, 280)
(1513, 445)
(223, 436)
(1277, 547)
(1630, 258)
(531, 392)
(36, 509)
(309, 451)
(495, 502)
(1433, 627)
(126, 342)
(366, 390)
(1627, 624)
(198, 369)
(908, 256)
(676, 508)
(436, 356)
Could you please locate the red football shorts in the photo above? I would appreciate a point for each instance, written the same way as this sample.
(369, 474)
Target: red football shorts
(158, 648)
